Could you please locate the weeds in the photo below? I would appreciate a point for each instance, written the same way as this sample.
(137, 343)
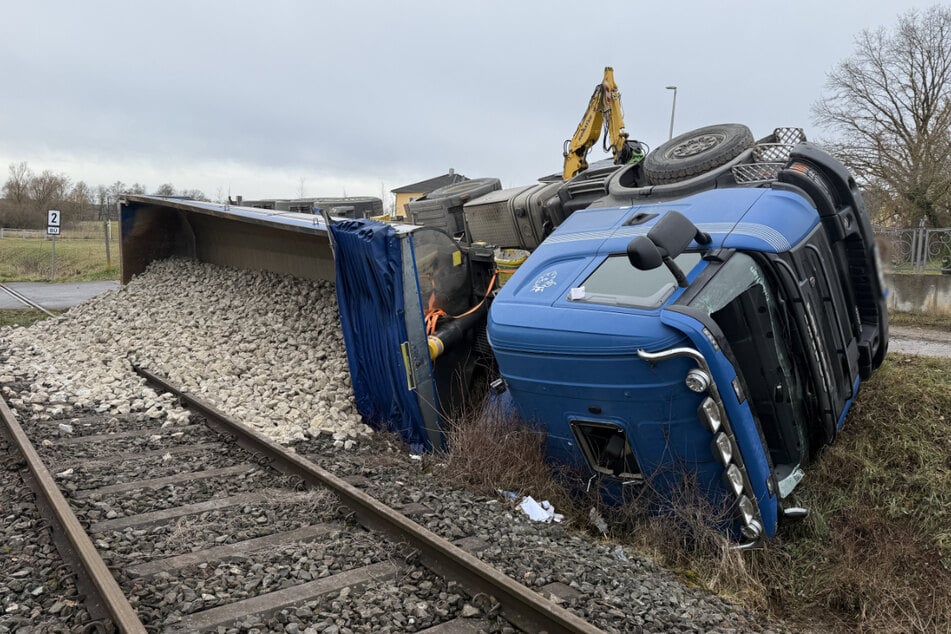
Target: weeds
(493, 450)
(876, 550)
(938, 321)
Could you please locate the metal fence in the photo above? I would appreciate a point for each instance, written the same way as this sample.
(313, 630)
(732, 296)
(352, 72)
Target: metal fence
(81, 231)
(916, 250)
(10, 232)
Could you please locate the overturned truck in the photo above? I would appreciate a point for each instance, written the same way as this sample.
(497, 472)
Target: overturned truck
(711, 309)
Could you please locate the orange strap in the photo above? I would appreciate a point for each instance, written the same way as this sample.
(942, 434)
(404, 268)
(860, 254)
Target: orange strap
(433, 314)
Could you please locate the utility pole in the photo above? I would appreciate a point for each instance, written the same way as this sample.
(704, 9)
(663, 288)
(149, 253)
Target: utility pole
(673, 108)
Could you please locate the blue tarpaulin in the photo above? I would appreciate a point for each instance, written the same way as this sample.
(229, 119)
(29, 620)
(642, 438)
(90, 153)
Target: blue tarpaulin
(370, 294)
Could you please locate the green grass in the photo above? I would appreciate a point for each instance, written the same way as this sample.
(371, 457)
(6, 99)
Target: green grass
(28, 260)
(26, 317)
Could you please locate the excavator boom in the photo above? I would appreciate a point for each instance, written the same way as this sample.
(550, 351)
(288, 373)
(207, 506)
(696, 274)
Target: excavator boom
(613, 115)
(585, 136)
(604, 109)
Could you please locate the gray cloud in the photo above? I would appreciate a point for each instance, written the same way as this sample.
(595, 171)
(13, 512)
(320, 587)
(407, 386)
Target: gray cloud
(254, 96)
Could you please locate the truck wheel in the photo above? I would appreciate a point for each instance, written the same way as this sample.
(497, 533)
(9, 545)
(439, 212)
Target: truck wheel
(696, 152)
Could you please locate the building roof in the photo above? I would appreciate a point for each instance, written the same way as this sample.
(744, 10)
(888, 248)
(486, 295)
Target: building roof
(432, 184)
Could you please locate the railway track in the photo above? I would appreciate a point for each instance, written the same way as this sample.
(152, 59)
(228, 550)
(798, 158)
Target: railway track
(211, 526)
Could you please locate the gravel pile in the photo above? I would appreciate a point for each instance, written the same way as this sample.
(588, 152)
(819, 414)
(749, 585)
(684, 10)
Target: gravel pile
(266, 348)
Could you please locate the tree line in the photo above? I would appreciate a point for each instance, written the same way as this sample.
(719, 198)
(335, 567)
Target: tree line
(27, 196)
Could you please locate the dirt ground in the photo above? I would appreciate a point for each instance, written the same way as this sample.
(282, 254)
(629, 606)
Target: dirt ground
(923, 341)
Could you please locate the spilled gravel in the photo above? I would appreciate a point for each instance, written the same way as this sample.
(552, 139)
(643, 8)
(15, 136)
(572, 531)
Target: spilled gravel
(266, 348)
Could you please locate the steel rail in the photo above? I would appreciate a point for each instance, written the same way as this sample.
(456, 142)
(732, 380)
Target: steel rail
(20, 297)
(111, 595)
(521, 605)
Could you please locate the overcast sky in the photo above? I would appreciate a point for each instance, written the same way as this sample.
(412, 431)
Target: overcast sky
(359, 97)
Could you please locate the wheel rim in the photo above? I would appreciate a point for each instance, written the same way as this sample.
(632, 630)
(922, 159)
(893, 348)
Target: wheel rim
(695, 145)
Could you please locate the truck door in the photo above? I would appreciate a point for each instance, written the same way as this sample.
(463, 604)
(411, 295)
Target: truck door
(745, 310)
(833, 322)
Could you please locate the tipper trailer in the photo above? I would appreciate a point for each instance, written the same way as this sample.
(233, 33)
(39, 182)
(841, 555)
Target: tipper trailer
(709, 311)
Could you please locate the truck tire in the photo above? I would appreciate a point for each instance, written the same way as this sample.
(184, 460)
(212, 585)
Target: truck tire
(696, 152)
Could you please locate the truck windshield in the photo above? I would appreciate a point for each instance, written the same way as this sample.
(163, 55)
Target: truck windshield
(616, 282)
(742, 301)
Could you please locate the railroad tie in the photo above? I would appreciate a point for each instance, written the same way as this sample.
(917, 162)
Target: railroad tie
(265, 605)
(232, 551)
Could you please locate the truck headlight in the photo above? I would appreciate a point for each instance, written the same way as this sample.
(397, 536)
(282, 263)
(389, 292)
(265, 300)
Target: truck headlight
(747, 510)
(710, 414)
(734, 479)
(724, 448)
(753, 530)
(697, 381)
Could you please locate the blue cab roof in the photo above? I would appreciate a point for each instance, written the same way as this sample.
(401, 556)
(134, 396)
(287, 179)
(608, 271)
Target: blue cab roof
(533, 305)
(755, 219)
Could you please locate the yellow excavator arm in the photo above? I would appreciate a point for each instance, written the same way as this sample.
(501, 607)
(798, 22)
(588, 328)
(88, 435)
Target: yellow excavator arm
(604, 109)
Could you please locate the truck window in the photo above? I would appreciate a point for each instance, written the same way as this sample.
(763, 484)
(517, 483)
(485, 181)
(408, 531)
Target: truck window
(742, 301)
(616, 282)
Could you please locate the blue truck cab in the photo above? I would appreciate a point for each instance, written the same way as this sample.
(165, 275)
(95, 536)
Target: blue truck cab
(720, 329)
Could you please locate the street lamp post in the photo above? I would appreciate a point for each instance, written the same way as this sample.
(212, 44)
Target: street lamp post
(673, 108)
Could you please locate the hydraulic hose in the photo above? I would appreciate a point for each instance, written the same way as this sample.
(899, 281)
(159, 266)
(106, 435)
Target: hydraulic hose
(451, 332)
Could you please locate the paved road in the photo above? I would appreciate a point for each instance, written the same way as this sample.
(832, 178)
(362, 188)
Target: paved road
(54, 296)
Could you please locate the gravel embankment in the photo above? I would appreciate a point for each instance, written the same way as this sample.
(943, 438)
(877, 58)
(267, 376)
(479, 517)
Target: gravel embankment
(268, 350)
(37, 591)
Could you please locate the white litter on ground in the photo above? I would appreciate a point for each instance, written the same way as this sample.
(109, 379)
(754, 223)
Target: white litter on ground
(539, 511)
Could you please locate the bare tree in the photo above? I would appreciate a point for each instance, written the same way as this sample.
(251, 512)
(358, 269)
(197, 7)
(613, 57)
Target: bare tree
(195, 194)
(16, 189)
(889, 105)
(80, 199)
(165, 189)
(48, 191)
(102, 200)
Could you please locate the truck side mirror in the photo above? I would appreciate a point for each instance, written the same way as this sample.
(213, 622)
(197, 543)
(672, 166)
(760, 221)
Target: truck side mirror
(643, 254)
(667, 239)
(674, 232)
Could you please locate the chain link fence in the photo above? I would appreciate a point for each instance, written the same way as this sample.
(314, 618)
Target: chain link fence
(915, 250)
(82, 251)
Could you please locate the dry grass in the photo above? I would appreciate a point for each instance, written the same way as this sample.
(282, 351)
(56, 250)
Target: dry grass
(876, 551)
(935, 321)
(492, 450)
(687, 532)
